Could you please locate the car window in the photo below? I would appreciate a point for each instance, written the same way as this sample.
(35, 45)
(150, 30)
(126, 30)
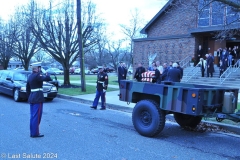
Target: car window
(4, 74)
(20, 77)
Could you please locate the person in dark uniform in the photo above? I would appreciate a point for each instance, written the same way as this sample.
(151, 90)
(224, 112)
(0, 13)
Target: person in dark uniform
(174, 74)
(102, 83)
(139, 71)
(34, 90)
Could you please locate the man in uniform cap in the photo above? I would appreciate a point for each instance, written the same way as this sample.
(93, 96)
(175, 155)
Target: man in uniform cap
(102, 83)
(35, 98)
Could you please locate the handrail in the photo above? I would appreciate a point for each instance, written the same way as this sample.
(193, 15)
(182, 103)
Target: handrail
(229, 71)
(192, 73)
(185, 62)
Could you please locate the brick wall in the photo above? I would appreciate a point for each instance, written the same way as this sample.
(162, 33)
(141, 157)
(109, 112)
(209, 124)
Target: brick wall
(167, 37)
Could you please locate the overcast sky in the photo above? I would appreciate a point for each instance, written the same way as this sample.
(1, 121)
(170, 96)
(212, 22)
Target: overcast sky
(115, 12)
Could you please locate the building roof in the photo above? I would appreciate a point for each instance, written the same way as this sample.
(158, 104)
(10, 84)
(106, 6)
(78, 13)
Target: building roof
(161, 12)
(192, 31)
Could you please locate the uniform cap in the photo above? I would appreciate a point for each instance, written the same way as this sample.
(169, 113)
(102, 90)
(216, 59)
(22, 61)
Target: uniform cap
(100, 67)
(37, 64)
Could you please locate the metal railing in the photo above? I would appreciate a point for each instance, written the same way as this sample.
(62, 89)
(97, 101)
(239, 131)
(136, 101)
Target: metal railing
(192, 73)
(185, 62)
(226, 74)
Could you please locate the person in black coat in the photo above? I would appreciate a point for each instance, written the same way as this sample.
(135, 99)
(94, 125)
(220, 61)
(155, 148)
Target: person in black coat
(164, 76)
(125, 70)
(198, 55)
(174, 74)
(180, 68)
(221, 68)
(121, 72)
(157, 75)
(210, 68)
(139, 71)
(34, 89)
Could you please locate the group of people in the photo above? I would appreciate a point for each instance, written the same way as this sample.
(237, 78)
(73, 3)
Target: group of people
(168, 72)
(226, 57)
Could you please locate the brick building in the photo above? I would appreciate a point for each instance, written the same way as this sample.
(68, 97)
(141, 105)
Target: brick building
(177, 30)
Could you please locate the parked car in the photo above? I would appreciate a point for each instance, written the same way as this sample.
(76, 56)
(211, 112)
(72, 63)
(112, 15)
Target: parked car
(78, 71)
(109, 70)
(13, 83)
(130, 71)
(45, 67)
(72, 70)
(54, 81)
(55, 70)
(94, 70)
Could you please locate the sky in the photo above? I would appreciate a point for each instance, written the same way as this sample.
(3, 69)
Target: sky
(114, 12)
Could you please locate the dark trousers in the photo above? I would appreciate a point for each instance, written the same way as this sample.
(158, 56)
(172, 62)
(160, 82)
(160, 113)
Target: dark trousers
(103, 99)
(202, 71)
(35, 119)
(211, 73)
(221, 72)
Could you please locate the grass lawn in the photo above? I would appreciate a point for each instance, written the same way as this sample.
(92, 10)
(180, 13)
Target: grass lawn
(112, 79)
(89, 88)
(77, 91)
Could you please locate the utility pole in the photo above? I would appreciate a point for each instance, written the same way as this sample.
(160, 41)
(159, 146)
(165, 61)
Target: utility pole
(80, 44)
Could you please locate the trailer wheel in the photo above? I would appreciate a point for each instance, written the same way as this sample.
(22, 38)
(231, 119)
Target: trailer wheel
(187, 120)
(148, 119)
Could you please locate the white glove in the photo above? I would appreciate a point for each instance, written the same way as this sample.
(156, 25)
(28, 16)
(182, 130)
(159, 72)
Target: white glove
(104, 91)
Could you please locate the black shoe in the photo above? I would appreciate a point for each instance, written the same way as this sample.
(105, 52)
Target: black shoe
(102, 108)
(93, 107)
(38, 136)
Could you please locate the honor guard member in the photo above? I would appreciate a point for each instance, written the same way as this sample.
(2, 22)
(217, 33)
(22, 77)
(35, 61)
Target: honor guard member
(34, 89)
(102, 83)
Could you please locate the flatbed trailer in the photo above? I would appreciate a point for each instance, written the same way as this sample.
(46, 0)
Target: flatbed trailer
(189, 103)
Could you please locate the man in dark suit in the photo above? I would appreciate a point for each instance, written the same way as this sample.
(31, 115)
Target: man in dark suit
(125, 70)
(121, 72)
(210, 68)
(139, 71)
(174, 74)
(164, 76)
(199, 54)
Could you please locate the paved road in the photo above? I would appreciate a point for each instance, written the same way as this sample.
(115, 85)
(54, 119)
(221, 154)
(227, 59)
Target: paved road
(74, 131)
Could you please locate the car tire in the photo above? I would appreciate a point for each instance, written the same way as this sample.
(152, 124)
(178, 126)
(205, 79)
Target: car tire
(49, 99)
(148, 119)
(187, 120)
(16, 95)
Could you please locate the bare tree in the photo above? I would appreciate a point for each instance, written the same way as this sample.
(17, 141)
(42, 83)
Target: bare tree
(115, 52)
(132, 30)
(57, 32)
(26, 44)
(6, 44)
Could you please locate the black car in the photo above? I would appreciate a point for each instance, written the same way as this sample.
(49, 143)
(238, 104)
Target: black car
(13, 83)
(110, 70)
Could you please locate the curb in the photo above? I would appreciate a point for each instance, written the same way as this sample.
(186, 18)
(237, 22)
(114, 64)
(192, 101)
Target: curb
(110, 106)
(232, 128)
